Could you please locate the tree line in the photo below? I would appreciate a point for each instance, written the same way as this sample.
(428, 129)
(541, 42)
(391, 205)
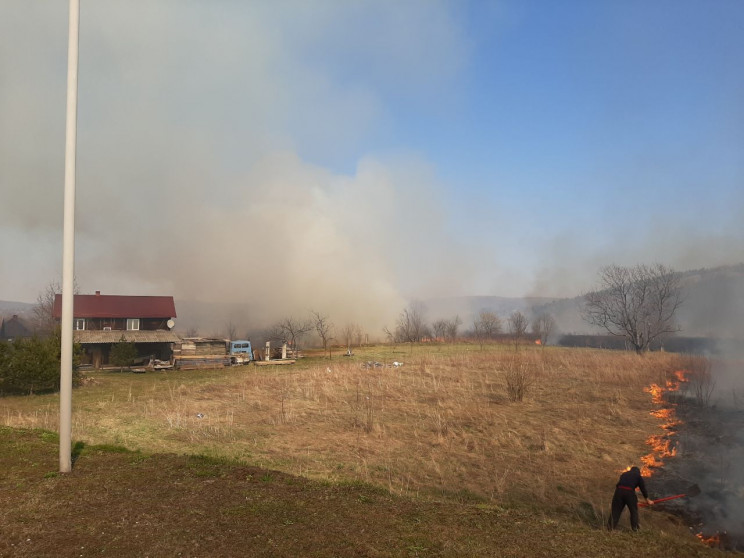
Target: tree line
(412, 327)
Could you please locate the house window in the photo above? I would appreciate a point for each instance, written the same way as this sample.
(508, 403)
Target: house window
(132, 324)
(79, 324)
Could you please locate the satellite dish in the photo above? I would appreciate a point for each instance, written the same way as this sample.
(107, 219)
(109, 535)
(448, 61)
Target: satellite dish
(170, 324)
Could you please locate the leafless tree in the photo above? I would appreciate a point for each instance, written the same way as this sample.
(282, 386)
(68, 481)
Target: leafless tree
(389, 335)
(517, 327)
(543, 326)
(347, 335)
(411, 326)
(486, 326)
(231, 330)
(323, 327)
(451, 329)
(358, 335)
(439, 327)
(637, 303)
(291, 330)
(43, 320)
(351, 334)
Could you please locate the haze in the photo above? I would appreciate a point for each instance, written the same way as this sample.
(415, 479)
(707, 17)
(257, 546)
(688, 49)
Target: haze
(351, 156)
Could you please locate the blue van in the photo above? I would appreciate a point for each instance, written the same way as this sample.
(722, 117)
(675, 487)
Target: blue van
(240, 352)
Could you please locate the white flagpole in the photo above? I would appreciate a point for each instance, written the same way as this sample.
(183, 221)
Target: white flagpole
(68, 246)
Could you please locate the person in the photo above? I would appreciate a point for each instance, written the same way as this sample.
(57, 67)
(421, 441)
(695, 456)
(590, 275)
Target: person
(625, 495)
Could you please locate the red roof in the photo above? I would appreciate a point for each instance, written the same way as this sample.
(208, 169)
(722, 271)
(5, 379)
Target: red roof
(118, 306)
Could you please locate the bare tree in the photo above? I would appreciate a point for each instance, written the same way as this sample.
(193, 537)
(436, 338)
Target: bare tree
(637, 303)
(358, 334)
(486, 326)
(291, 330)
(446, 330)
(347, 335)
(323, 327)
(517, 327)
(439, 327)
(411, 326)
(351, 334)
(451, 328)
(231, 330)
(543, 326)
(389, 335)
(43, 320)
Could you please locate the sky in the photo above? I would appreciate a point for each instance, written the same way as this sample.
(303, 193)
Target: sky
(350, 156)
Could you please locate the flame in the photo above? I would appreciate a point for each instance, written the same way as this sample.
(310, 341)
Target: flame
(661, 445)
(713, 540)
(661, 448)
(538, 342)
(667, 414)
(656, 392)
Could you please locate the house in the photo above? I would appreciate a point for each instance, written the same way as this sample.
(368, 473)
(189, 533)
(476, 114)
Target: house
(100, 321)
(14, 328)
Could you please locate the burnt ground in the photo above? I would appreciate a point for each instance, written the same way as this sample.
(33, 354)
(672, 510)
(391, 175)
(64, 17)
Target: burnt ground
(710, 457)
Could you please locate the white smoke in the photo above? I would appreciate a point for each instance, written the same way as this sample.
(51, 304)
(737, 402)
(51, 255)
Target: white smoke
(196, 127)
(263, 153)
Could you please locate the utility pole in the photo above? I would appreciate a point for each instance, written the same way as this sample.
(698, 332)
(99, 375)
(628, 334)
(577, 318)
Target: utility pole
(68, 246)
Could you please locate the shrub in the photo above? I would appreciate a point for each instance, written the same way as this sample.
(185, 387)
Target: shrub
(33, 365)
(123, 353)
(700, 378)
(518, 380)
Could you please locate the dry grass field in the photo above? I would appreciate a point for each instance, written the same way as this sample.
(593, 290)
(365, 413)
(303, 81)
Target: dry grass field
(542, 432)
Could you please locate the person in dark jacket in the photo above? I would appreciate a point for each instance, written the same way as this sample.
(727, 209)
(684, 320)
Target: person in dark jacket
(625, 495)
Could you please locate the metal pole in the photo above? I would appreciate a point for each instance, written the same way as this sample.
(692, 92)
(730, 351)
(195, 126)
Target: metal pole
(68, 247)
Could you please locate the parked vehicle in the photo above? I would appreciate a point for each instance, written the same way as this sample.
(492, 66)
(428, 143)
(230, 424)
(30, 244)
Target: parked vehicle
(240, 352)
(203, 352)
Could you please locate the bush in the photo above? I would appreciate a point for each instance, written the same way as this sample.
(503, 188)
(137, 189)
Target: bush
(518, 380)
(33, 365)
(123, 354)
(700, 378)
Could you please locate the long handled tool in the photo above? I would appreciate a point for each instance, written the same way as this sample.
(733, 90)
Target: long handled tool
(694, 490)
(645, 505)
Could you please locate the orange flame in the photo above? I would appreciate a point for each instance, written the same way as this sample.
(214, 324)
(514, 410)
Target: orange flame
(656, 392)
(665, 414)
(661, 445)
(712, 541)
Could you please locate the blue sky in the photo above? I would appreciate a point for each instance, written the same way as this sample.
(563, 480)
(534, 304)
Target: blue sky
(406, 149)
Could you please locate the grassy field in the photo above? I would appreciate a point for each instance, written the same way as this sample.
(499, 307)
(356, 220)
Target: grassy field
(437, 457)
